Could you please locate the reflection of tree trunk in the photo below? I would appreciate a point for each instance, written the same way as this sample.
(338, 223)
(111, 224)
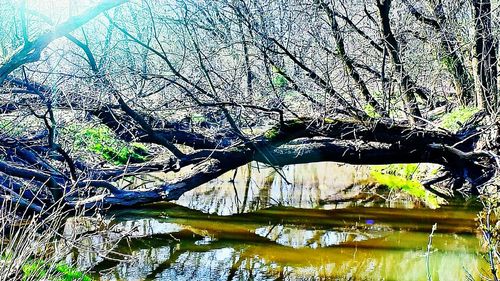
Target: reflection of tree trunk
(316, 187)
(247, 188)
(234, 268)
(265, 190)
(485, 56)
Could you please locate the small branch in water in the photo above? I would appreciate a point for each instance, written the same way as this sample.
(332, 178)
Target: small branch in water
(427, 255)
(487, 230)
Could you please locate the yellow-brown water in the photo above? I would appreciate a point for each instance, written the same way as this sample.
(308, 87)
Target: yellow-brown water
(258, 227)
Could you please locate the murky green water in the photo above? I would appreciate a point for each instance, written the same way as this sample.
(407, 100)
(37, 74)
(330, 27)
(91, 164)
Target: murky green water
(262, 228)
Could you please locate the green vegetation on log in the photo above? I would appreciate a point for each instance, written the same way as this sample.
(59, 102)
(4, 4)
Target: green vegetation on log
(453, 120)
(271, 134)
(403, 177)
(371, 111)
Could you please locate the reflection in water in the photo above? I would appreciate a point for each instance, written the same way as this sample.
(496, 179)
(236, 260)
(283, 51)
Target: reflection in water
(294, 244)
(256, 186)
(272, 230)
(299, 238)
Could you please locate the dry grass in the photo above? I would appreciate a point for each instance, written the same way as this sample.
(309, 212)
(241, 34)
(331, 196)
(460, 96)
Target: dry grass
(34, 246)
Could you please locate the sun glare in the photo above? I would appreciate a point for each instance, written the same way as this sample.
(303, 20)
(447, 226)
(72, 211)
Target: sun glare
(59, 10)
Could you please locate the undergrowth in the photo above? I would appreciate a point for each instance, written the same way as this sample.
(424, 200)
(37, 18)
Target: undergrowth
(40, 270)
(101, 141)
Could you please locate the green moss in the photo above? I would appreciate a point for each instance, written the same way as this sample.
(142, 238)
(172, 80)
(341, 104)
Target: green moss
(197, 118)
(139, 147)
(329, 120)
(371, 111)
(403, 177)
(292, 125)
(295, 122)
(452, 121)
(271, 134)
(101, 140)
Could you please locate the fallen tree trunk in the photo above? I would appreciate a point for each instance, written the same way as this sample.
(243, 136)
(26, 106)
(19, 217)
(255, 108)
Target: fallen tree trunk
(301, 141)
(295, 141)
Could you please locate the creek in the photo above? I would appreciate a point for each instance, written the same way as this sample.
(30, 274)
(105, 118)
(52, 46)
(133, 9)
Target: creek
(298, 223)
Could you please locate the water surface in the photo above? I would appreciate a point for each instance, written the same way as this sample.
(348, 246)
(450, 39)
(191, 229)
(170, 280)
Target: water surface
(266, 224)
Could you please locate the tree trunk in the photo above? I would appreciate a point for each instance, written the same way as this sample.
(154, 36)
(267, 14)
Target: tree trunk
(384, 7)
(485, 57)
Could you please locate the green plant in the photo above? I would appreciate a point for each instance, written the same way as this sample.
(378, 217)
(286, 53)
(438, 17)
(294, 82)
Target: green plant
(403, 177)
(197, 118)
(69, 273)
(411, 187)
(10, 128)
(371, 111)
(447, 62)
(34, 270)
(102, 141)
(279, 81)
(452, 121)
(6, 256)
(32, 250)
(40, 270)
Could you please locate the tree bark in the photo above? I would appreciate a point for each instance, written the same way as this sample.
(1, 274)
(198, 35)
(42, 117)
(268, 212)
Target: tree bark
(486, 47)
(450, 56)
(384, 7)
